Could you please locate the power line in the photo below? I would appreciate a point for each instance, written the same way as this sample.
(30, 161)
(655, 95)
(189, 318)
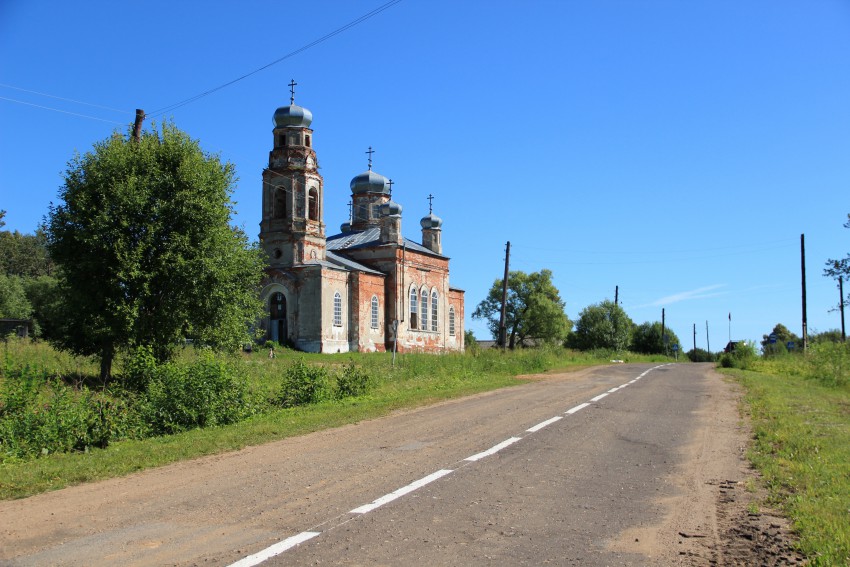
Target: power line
(336, 32)
(62, 111)
(773, 244)
(62, 98)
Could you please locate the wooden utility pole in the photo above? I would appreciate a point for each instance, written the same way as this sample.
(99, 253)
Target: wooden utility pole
(707, 344)
(137, 125)
(841, 306)
(616, 295)
(663, 333)
(695, 337)
(803, 270)
(502, 328)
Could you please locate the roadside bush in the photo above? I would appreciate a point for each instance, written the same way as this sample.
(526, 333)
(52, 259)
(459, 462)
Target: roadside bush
(830, 364)
(700, 355)
(302, 385)
(352, 381)
(186, 396)
(744, 356)
(40, 416)
(139, 369)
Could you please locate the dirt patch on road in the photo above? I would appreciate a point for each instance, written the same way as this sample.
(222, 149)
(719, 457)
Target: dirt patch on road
(718, 516)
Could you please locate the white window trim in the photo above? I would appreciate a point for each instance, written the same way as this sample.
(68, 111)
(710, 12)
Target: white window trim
(375, 310)
(435, 311)
(337, 309)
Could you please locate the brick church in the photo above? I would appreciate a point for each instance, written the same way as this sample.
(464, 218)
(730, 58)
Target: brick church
(362, 289)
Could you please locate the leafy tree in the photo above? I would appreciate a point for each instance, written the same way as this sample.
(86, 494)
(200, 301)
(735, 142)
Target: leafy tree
(840, 268)
(647, 338)
(534, 309)
(146, 252)
(700, 355)
(13, 298)
(830, 336)
(25, 254)
(604, 326)
(43, 297)
(469, 342)
(783, 337)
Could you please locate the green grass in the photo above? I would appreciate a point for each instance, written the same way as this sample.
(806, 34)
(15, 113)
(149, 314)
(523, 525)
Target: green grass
(415, 380)
(801, 446)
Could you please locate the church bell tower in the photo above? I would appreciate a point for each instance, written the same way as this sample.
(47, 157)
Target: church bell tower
(292, 231)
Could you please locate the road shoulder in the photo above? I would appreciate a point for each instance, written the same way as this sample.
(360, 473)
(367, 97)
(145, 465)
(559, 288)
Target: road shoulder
(717, 516)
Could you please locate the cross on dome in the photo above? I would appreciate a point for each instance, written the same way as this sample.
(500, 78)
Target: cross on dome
(391, 183)
(292, 85)
(370, 151)
(430, 204)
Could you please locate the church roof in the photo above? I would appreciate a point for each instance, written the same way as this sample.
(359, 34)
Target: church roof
(342, 262)
(370, 238)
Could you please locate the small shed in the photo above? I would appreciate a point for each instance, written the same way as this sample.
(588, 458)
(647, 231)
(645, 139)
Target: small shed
(19, 327)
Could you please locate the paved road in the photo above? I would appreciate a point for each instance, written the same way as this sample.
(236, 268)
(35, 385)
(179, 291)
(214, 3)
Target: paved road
(554, 471)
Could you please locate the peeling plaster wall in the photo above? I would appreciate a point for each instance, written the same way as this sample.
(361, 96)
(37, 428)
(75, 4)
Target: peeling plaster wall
(365, 338)
(334, 337)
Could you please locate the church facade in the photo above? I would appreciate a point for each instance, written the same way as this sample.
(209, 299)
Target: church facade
(365, 289)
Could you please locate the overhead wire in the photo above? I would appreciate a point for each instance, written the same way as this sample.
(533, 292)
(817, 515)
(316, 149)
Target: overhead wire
(313, 43)
(62, 111)
(63, 98)
(184, 102)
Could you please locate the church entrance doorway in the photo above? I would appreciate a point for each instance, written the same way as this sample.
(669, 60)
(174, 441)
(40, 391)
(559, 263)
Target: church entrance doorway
(277, 318)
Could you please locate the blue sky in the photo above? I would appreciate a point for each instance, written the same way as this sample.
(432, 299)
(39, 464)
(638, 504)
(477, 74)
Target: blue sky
(675, 149)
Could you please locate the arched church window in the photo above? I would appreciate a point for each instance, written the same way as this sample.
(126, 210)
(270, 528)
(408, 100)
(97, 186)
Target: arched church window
(307, 140)
(337, 309)
(281, 141)
(423, 310)
(374, 311)
(313, 202)
(280, 203)
(434, 305)
(452, 321)
(414, 311)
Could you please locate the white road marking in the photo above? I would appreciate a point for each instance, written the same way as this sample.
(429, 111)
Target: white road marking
(400, 492)
(293, 541)
(540, 426)
(494, 449)
(274, 550)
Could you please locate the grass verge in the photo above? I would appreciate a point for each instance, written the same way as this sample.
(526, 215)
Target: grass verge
(801, 447)
(415, 380)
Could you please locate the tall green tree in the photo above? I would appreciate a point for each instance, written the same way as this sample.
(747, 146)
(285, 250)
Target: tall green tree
(840, 268)
(534, 309)
(25, 255)
(783, 336)
(13, 298)
(647, 338)
(146, 252)
(604, 325)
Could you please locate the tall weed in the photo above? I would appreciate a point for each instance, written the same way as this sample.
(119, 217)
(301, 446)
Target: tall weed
(829, 364)
(204, 393)
(302, 385)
